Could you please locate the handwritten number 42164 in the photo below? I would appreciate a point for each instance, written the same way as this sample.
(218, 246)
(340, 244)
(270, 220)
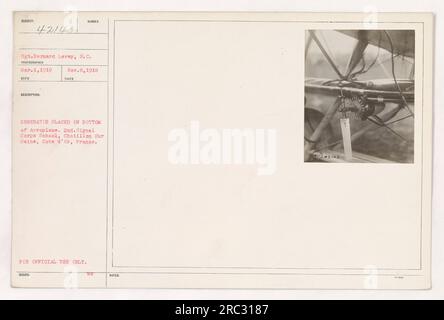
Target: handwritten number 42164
(47, 28)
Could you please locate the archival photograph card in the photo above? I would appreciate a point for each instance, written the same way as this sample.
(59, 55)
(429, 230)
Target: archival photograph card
(222, 150)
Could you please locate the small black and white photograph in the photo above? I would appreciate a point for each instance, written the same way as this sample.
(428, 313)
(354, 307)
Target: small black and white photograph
(359, 96)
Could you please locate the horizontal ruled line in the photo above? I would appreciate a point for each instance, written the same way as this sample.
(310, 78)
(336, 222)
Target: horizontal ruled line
(60, 33)
(62, 65)
(62, 81)
(62, 49)
(228, 273)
